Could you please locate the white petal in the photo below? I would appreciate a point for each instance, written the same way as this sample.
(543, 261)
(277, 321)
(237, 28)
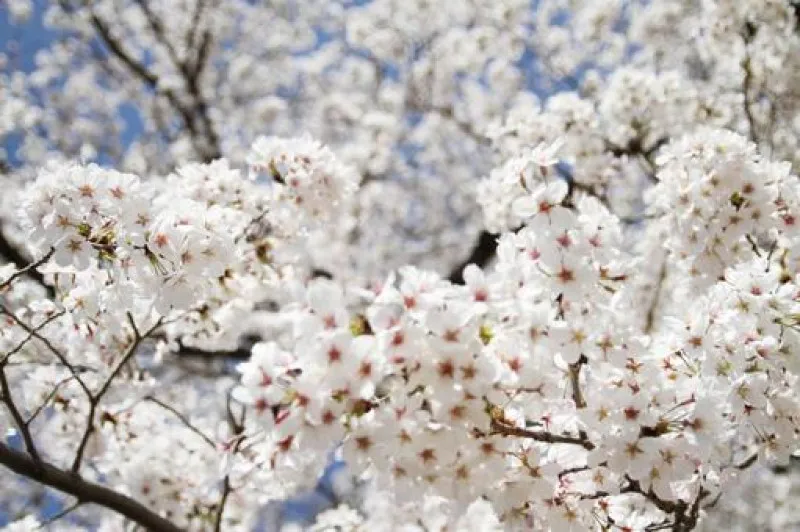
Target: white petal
(524, 207)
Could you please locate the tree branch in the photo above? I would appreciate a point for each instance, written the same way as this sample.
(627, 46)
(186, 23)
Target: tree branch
(575, 382)
(482, 253)
(94, 399)
(58, 354)
(10, 253)
(650, 317)
(85, 491)
(31, 333)
(27, 269)
(208, 152)
(63, 513)
(242, 353)
(190, 72)
(22, 427)
(747, 82)
(636, 148)
(539, 435)
(183, 420)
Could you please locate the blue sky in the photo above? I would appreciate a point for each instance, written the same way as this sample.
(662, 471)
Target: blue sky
(27, 37)
(20, 43)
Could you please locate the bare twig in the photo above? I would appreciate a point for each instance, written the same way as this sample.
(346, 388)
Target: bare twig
(539, 435)
(237, 428)
(58, 354)
(747, 82)
(183, 419)
(31, 333)
(47, 400)
(575, 382)
(94, 399)
(226, 490)
(63, 513)
(748, 462)
(650, 317)
(206, 142)
(12, 254)
(27, 269)
(17, 417)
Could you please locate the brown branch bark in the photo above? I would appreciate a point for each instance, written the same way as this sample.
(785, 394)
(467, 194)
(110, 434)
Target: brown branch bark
(575, 382)
(11, 254)
(86, 492)
(27, 270)
(94, 399)
(206, 142)
(58, 354)
(747, 82)
(16, 349)
(183, 419)
(650, 317)
(539, 435)
(482, 253)
(22, 427)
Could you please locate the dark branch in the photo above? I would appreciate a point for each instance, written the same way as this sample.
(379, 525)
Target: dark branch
(482, 253)
(242, 353)
(747, 81)
(85, 492)
(207, 141)
(58, 354)
(11, 254)
(27, 269)
(94, 399)
(22, 427)
(539, 435)
(33, 331)
(650, 317)
(183, 419)
(115, 47)
(191, 74)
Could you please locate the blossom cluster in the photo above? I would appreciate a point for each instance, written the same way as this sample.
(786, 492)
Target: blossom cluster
(105, 221)
(199, 337)
(306, 178)
(141, 267)
(527, 387)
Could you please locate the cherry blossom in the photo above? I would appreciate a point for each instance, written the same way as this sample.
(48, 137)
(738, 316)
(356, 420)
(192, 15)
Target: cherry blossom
(519, 267)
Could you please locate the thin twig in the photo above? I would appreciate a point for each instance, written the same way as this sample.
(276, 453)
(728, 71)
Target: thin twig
(538, 435)
(650, 317)
(58, 354)
(237, 427)
(747, 82)
(226, 490)
(31, 334)
(12, 254)
(94, 399)
(575, 382)
(182, 418)
(12, 409)
(748, 462)
(69, 509)
(47, 399)
(27, 269)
